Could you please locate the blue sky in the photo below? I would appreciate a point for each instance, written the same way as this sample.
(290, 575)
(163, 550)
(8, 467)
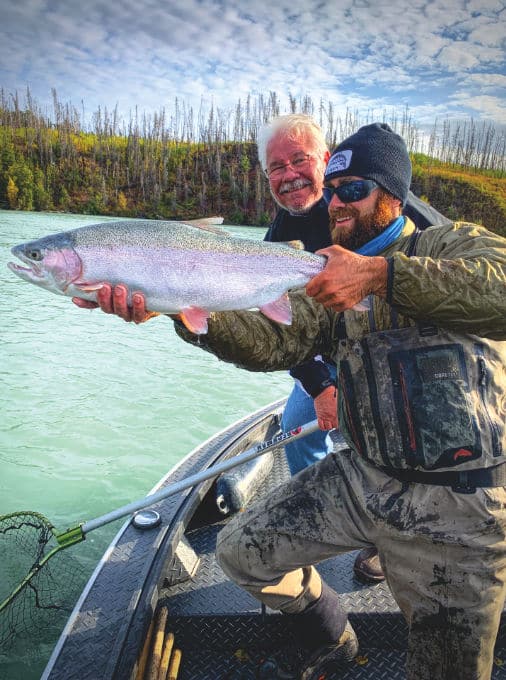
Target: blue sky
(439, 58)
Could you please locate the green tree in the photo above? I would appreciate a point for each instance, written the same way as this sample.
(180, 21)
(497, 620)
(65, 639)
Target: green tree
(41, 198)
(12, 193)
(64, 200)
(7, 155)
(22, 176)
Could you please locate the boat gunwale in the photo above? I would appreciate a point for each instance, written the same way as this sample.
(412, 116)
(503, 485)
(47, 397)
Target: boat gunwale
(173, 529)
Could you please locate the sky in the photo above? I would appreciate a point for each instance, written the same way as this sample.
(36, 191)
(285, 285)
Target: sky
(437, 58)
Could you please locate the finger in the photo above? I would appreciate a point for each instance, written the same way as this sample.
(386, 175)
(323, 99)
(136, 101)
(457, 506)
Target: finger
(324, 251)
(104, 299)
(325, 299)
(139, 313)
(84, 304)
(120, 303)
(317, 286)
(313, 286)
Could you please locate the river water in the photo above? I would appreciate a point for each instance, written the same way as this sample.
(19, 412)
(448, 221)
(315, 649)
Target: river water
(95, 411)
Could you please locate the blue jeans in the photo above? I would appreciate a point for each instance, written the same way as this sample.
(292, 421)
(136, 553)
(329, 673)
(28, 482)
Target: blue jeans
(299, 409)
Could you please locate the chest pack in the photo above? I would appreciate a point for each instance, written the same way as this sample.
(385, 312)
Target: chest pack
(422, 397)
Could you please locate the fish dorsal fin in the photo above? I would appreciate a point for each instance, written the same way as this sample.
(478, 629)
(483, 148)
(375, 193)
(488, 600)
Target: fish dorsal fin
(296, 245)
(206, 220)
(208, 224)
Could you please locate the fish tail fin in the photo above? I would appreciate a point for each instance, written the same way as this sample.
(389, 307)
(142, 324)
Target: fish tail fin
(279, 310)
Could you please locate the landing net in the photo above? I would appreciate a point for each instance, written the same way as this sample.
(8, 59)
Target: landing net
(39, 582)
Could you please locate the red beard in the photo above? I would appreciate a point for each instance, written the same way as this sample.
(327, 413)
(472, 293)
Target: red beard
(367, 225)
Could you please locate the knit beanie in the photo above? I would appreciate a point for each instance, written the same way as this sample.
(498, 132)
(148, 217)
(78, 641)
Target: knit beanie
(374, 152)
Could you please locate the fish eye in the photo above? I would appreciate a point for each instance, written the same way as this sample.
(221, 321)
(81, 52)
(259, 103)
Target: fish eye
(35, 255)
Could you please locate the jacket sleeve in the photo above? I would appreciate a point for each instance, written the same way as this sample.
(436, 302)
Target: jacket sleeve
(252, 341)
(313, 375)
(457, 279)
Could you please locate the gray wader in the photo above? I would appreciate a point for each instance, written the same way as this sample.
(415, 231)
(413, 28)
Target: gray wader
(443, 554)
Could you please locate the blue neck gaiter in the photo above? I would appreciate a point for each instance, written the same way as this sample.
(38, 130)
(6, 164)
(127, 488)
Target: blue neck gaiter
(384, 239)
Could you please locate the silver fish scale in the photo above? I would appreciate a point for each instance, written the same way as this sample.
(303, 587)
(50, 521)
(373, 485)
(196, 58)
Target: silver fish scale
(160, 234)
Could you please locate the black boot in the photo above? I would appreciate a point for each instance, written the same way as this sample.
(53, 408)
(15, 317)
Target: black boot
(325, 640)
(328, 633)
(331, 656)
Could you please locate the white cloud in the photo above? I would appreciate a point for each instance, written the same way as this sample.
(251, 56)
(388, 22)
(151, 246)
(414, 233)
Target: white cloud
(484, 106)
(490, 34)
(365, 54)
(488, 80)
(457, 56)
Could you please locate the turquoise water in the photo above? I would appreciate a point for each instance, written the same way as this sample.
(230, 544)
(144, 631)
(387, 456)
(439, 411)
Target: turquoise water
(95, 410)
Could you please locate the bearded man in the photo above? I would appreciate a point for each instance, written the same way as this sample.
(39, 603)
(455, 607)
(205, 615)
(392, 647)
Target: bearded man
(422, 407)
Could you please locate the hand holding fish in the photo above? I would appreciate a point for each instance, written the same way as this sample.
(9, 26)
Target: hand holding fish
(114, 300)
(325, 406)
(347, 278)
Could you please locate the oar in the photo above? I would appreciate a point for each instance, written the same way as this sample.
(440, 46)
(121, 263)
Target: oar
(16, 521)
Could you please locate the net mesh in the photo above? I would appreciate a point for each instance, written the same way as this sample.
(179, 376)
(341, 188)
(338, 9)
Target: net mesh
(47, 596)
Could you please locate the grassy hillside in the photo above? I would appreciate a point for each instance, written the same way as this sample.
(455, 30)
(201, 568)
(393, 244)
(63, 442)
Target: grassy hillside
(462, 193)
(148, 171)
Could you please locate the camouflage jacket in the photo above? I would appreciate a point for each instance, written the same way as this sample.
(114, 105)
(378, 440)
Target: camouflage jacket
(422, 375)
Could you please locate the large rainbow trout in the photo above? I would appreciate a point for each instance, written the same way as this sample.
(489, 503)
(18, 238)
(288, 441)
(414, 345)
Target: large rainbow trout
(180, 268)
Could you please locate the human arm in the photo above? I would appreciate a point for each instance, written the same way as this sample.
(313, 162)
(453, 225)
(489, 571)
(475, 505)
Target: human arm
(252, 341)
(457, 280)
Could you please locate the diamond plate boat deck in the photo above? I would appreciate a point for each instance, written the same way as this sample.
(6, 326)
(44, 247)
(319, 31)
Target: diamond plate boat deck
(223, 633)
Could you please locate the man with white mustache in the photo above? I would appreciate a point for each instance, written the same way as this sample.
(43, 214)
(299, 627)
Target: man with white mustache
(293, 153)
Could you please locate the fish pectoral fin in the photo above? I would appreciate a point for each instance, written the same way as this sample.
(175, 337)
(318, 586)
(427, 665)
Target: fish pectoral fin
(195, 319)
(280, 310)
(88, 287)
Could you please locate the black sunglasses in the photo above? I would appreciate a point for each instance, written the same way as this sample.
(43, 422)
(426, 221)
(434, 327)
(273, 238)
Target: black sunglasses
(351, 191)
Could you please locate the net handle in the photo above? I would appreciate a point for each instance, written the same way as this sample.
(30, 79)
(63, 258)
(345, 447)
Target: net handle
(78, 533)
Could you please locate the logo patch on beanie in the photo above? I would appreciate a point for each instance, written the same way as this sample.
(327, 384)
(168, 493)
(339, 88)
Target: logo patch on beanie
(339, 161)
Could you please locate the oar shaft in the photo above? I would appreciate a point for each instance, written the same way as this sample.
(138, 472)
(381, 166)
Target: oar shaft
(202, 476)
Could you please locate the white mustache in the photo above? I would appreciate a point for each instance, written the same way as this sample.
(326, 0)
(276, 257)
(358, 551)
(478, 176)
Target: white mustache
(293, 186)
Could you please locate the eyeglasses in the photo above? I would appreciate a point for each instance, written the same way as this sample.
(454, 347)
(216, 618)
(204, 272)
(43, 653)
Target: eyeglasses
(351, 191)
(297, 163)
